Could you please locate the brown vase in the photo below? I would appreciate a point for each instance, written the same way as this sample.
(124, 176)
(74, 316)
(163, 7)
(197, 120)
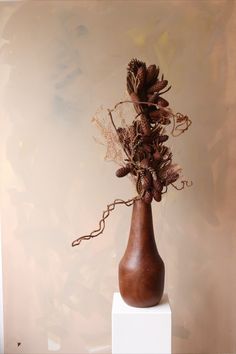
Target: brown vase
(141, 270)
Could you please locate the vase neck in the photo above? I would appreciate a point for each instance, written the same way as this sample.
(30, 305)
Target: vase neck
(141, 230)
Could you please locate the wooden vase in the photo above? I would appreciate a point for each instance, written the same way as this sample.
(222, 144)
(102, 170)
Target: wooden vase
(141, 270)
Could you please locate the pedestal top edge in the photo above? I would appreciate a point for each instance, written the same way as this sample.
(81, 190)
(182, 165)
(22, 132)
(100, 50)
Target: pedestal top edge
(120, 307)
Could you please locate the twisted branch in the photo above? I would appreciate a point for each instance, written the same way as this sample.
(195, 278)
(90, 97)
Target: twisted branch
(184, 184)
(105, 215)
(181, 123)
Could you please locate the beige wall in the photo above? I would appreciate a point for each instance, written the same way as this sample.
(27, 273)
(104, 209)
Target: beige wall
(60, 60)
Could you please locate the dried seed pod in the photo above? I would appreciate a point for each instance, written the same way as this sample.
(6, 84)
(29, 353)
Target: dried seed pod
(171, 178)
(145, 125)
(162, 102)
(139, 185)
(156, 195)
(148, 197)
(158, 86)
(123, 171)
(152, 74)
(157, 185)
(162, 138)
(121, 134)
(141, 73)
(146, 181)
(132, 132)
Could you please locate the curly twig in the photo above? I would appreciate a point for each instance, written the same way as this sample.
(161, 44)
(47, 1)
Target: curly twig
(184, 183)
(165, 190)
(183, 124)
(137, 102)
(105, 215)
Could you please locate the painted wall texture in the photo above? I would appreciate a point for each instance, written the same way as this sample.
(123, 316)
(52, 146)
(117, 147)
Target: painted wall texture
(59, 61)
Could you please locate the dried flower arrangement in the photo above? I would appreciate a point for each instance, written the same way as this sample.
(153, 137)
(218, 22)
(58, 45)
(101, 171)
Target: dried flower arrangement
(146, 157)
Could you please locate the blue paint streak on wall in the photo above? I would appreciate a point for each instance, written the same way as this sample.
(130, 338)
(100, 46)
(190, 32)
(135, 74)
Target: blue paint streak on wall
(62, 108)
(82, 30)
(68, 78)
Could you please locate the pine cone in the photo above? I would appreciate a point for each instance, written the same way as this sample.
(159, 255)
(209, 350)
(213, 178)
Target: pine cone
(158, 86)
(123, 171)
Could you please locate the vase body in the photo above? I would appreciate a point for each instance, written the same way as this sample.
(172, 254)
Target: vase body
(141, 270)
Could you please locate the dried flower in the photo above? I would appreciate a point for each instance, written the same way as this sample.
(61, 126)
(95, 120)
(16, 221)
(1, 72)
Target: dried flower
(145, 157)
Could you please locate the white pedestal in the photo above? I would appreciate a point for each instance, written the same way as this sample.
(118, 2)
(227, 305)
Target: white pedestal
(141, 330)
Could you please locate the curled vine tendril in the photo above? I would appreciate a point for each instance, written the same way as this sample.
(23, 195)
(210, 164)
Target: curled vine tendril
(106, 213)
